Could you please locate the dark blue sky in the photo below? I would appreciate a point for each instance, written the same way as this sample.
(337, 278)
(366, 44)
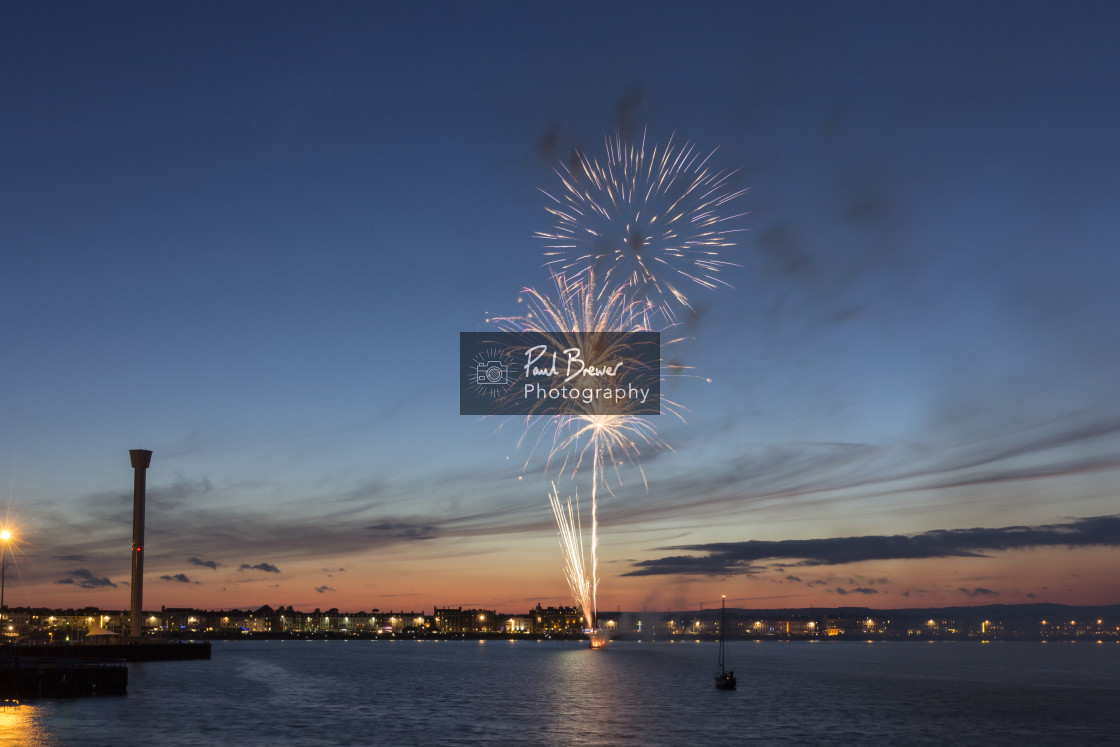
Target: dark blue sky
(247, 238)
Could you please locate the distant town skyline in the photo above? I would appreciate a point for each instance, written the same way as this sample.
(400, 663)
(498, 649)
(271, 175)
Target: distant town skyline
(248, 237)
(982, 622)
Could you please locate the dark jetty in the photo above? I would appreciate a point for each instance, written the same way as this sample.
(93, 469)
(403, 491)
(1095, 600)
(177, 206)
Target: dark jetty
(139, 651)
(29, 677)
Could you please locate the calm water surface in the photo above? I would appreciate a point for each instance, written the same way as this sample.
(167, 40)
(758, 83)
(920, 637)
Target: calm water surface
(562, 693)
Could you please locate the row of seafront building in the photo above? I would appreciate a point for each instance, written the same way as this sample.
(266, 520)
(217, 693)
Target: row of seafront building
(74, 624)
(541, 621)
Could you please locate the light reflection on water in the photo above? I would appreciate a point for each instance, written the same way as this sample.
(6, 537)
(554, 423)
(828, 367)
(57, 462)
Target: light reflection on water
(21, 725)
(562, 693)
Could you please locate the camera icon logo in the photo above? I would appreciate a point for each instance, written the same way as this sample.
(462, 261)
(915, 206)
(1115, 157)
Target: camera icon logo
(492, 373)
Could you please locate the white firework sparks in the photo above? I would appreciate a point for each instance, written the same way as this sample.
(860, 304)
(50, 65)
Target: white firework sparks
(649, 219)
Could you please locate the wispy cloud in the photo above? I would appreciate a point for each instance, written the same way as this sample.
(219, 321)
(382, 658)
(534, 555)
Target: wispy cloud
(728, 558)
(401, 530)
(978, 591)
(180, 577)
(815, 473)
(266, 567)
(85, 579)
(200, 520)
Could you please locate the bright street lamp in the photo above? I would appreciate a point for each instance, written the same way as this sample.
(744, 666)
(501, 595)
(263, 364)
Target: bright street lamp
(5, 536)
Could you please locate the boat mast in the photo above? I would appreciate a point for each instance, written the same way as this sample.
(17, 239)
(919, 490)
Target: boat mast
(722, 628)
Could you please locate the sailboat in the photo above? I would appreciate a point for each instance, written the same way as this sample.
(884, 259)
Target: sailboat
(725, 679)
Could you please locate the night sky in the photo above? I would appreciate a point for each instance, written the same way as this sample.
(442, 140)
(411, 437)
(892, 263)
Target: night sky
(247, 236)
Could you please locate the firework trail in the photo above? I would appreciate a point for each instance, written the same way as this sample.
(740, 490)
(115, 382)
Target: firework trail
(610, 439)
(649, 220)
(571, 542)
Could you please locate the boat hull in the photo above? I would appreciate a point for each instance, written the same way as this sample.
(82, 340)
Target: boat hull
(725, 682)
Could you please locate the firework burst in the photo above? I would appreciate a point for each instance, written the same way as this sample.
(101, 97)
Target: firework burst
(574, 317)
(645, 217)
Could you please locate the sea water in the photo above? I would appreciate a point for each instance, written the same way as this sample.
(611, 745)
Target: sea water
(563, 693)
